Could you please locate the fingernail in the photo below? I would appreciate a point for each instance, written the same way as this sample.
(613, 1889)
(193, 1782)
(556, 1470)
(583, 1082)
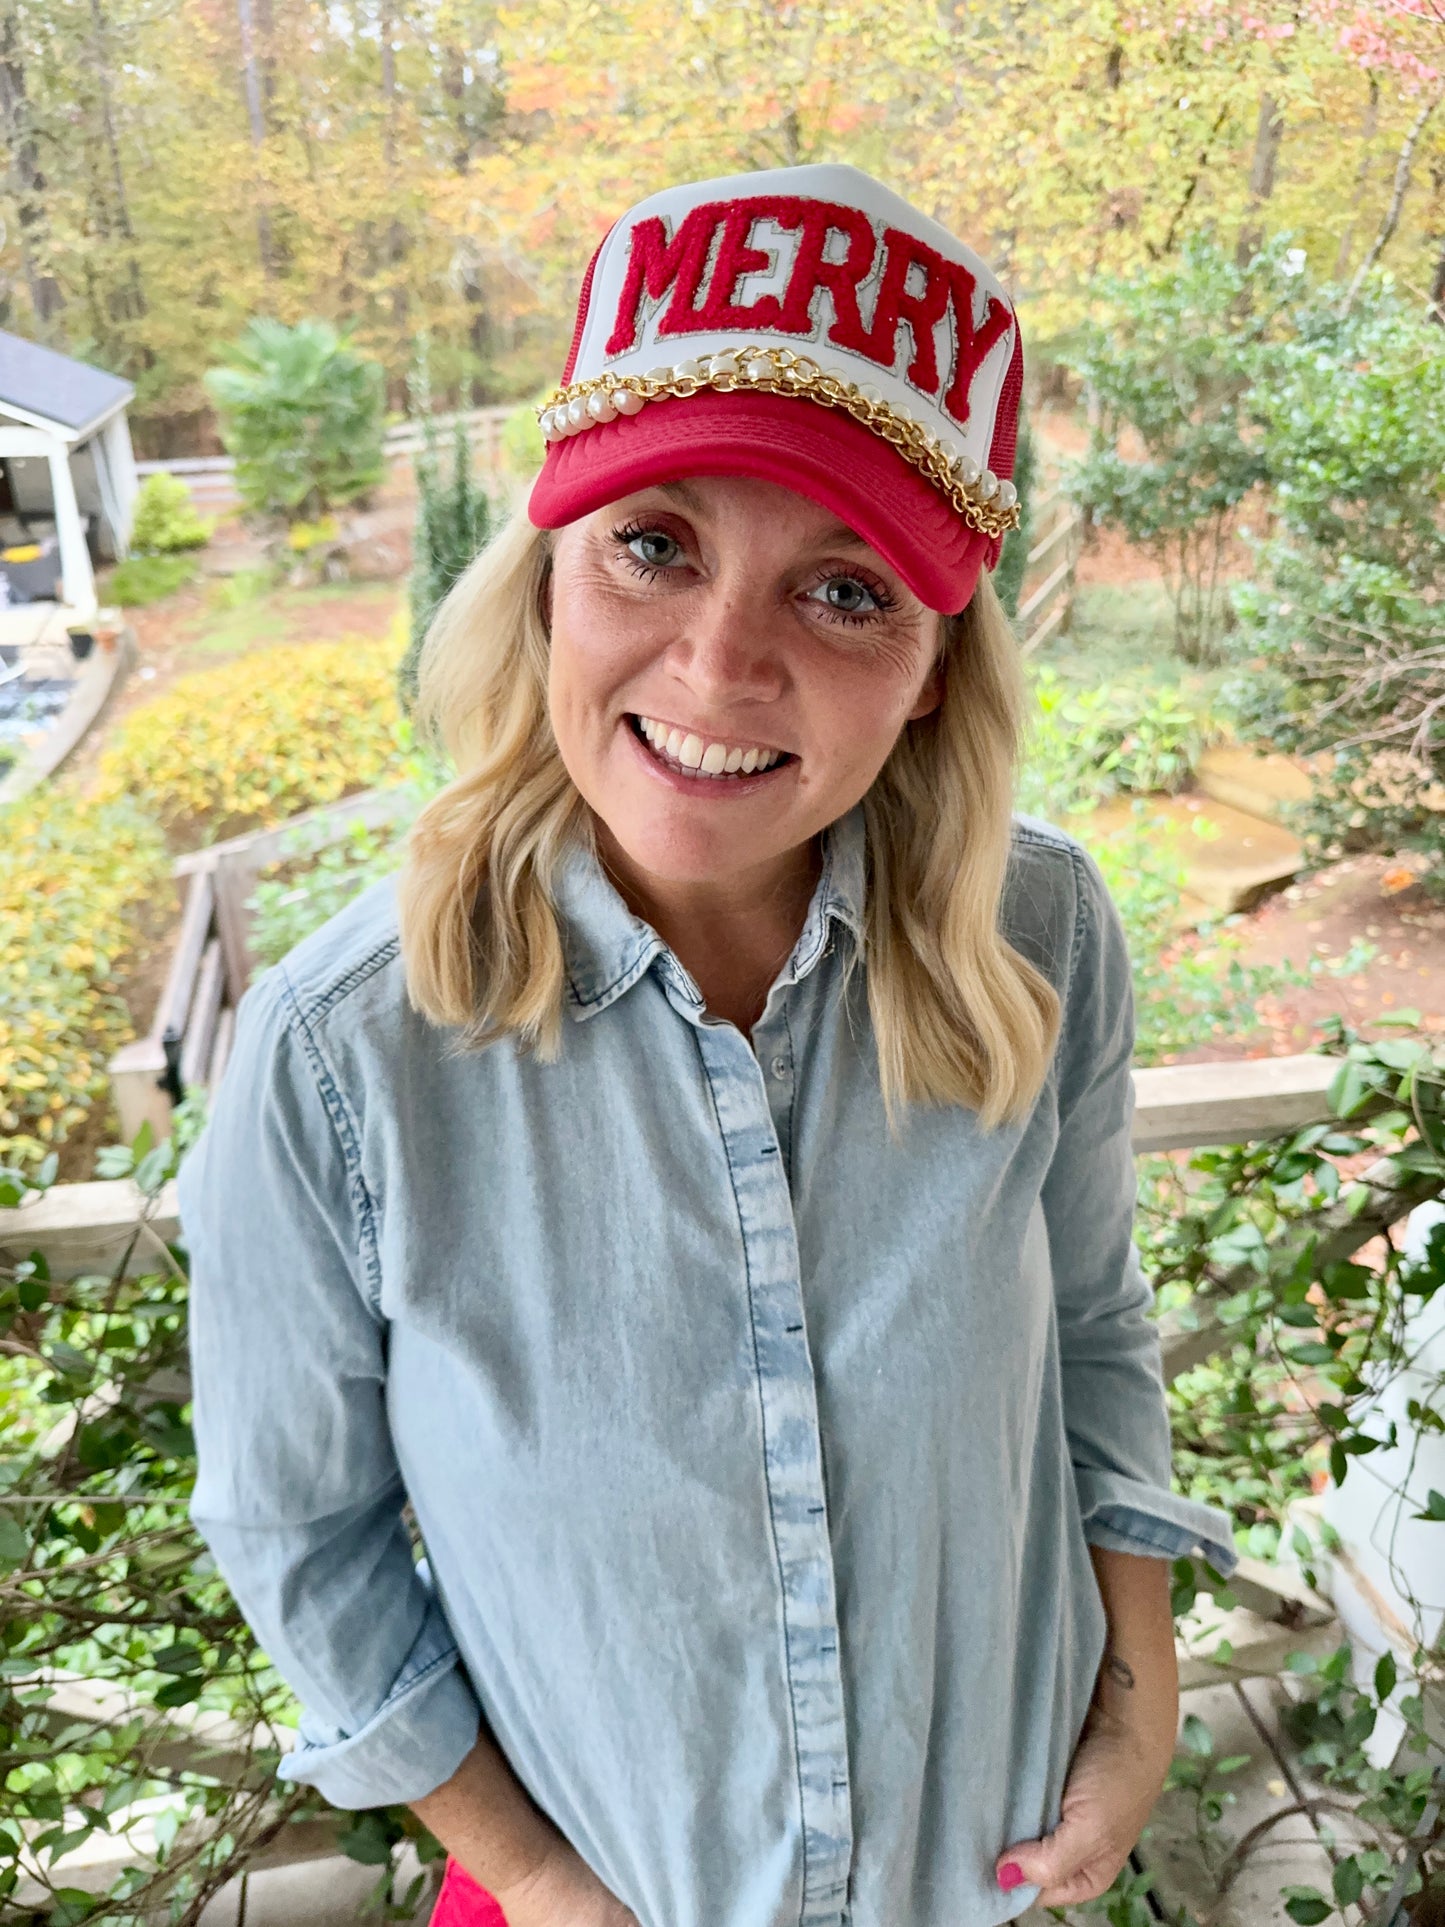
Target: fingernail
(1010, 1874)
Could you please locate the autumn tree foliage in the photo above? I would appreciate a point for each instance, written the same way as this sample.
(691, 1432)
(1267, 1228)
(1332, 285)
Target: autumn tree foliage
(178, 166)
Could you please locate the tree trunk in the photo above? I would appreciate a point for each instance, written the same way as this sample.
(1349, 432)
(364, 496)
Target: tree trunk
(1367, 134)
(28, 183)
(397, 239)
(1403, 167)
(133, 295)
(251, 76)
(1268, 132)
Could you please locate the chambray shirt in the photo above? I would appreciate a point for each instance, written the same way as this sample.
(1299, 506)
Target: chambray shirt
(755, 1456)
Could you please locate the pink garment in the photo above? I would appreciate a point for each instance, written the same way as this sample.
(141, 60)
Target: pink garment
(462, 1903)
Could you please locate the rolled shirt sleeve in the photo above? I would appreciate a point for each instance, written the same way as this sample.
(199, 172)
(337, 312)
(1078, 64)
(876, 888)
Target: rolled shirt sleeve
(298, 1493)
(1115, 1409)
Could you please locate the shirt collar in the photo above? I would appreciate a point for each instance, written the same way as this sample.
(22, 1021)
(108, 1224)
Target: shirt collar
(608, 948)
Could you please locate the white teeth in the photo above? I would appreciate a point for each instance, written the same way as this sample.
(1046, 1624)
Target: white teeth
(702, 757)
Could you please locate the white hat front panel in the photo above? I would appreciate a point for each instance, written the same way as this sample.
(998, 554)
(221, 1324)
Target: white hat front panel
(823, 260)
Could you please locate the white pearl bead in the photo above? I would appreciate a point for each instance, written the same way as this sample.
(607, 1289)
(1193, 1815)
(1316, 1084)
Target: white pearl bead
(627, 401)
(577, 416)
(664, 373)
(870, 393)
(899, 412)
(968, 470)
(724, 365)
(1007, 495)
(760, 368)
(687, 371)
(599, 406)
(545, 421)
(987, 485)
(949, 449)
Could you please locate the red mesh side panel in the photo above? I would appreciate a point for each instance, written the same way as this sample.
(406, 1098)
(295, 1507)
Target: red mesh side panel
(1005, 423)
(584, 301)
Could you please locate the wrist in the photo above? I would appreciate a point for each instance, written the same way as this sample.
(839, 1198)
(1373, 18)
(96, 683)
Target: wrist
(1140, 1701)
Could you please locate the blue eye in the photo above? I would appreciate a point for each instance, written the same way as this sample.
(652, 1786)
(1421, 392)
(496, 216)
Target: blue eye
(654, 548)
(846, 596)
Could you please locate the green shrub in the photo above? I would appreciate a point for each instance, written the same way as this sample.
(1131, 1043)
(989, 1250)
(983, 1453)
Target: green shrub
(165, 518)
(453, 521)
(315, 876)
(523, 449)
(256, 741)
(75, 876)
(148, 578)
(301, 412)
(1344, 608)
(1177, 366)
(1089, 744)
(104, 1578)
(1014, 560)
(241, 589)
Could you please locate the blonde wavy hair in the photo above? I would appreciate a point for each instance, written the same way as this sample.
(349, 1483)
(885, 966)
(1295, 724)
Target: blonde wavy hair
(958, 1015)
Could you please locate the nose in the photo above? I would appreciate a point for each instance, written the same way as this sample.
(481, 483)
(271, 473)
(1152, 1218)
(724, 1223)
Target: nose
(729, 650)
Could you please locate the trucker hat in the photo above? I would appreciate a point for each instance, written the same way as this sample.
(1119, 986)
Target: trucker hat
(809, 326)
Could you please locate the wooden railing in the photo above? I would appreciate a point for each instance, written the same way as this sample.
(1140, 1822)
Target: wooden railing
(87, 1228)
(213, 961)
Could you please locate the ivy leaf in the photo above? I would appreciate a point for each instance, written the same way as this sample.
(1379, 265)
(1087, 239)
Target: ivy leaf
(1196, 1736)
(1349, 1089)
(14, 1542)
(1307, 1906)
(1434, 1507)
(368, 1841)
(1349, 1882)
(179, 1692)
(1384, 1676)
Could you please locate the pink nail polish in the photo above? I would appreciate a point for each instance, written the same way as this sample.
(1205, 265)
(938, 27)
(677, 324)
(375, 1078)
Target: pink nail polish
(1010, 1874)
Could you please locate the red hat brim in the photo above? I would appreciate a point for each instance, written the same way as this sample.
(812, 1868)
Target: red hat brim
(816, 451)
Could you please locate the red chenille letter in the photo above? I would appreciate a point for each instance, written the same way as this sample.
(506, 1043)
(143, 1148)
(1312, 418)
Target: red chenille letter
(975, 339)
(655, 264)
(735, 258)
(812, 270)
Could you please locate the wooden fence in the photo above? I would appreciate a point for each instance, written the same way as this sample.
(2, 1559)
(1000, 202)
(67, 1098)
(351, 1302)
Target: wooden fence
(212, 478)
(1047, 594)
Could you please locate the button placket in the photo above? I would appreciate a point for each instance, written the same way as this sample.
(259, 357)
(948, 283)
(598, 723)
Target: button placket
(746, 1100)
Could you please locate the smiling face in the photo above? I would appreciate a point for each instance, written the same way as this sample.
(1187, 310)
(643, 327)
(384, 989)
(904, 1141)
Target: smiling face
(730, 668)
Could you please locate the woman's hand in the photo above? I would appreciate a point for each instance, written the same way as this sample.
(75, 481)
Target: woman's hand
(1122, 1759)
(1116, 1775)
(563, 1891)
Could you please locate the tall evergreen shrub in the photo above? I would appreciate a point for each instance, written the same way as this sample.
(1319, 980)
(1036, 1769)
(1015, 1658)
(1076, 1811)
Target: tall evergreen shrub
(453, 522)
(1009, 578)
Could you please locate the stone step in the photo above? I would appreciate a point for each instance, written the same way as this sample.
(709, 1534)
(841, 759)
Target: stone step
(1231, 870)
(1250, 780)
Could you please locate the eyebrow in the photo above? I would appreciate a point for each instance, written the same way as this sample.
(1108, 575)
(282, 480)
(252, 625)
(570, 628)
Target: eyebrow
(836, 535)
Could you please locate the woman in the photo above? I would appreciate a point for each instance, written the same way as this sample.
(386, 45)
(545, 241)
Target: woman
(702, 1186)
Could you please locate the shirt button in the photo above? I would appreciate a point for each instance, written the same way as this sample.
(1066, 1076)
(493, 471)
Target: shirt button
(779, 1067)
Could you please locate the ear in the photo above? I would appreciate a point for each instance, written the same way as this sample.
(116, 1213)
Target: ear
(930, 695)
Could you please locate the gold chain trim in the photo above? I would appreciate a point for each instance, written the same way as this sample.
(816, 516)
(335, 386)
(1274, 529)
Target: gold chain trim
(986, 503)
